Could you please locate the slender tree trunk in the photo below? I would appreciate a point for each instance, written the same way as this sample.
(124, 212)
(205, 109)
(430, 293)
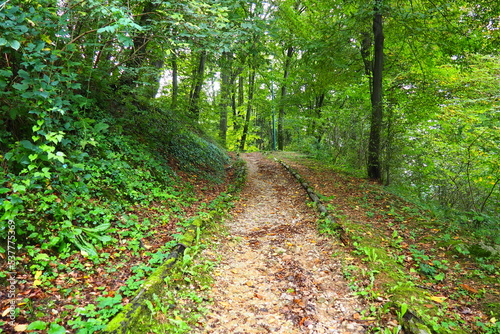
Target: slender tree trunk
(234, 92)
(198, 79)
(240, 99)
(281, 112)
(225, 96)
(175, 81)
(318, 108)
(251, 88)
(366, 46)
(241, 93)
(374, 165)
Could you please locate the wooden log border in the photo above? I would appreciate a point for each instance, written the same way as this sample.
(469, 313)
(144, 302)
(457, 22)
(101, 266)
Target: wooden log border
(128, 319)
(412, 324)
(337, 227)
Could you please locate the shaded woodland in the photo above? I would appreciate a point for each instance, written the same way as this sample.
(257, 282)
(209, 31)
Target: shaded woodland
(134, 105)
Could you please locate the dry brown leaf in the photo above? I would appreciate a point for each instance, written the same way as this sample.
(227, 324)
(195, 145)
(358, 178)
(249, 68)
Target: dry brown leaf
(468, 288)
(299, 302)
(20, 328)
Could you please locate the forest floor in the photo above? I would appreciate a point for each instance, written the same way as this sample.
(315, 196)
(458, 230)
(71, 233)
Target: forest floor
(277, 274)
(278, 266)
(283, 271)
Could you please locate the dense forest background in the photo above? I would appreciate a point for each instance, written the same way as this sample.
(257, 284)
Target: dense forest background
(406, 92)
(105, 104)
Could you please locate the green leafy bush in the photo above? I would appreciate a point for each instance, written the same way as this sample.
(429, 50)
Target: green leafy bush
(197, 154)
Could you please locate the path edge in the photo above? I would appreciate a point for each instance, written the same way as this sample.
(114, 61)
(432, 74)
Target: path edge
(320, 207)
(412, 324)
(128, 320)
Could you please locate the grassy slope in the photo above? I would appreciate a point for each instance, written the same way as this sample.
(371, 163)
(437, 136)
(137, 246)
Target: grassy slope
(403, 255)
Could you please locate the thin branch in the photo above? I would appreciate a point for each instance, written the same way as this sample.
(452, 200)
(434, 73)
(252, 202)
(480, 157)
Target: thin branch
(142, 14)
(443, 15)
(489, 195)
(77, 38)
(4, 4)
(70, 7)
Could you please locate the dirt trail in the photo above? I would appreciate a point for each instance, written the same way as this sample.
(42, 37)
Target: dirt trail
(277, 274)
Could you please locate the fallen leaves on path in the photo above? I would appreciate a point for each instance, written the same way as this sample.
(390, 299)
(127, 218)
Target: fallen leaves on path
(277, 274)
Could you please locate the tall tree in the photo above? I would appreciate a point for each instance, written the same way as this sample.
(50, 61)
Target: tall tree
(374, 164)
(281, 111)
(225, 94)
(251, 91)
(175, 80)
(197, 85)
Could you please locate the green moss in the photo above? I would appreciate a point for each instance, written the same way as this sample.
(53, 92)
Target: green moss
(415, 327)
(493, 309)
(479, 251)
(136, 313)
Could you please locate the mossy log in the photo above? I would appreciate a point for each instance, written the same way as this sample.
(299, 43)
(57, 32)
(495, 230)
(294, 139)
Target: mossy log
(413, 325)
(136, 312)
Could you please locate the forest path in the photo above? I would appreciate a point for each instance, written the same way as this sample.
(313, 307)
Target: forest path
(277, 275)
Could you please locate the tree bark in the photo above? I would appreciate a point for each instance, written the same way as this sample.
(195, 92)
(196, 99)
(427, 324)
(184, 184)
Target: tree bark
(318, 108)
(281, 112)
(175, 81)
(225, 96)
(240, 99)
(251, 88)
(374, 165)
(197, 85)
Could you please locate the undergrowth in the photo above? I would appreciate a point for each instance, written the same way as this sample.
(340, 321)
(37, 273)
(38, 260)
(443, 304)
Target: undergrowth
(93, 193)
(405, 257)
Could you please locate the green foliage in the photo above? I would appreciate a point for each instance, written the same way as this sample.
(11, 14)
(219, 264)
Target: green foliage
(457, 158)
(196, 154)
(81, 143)
(440, 138)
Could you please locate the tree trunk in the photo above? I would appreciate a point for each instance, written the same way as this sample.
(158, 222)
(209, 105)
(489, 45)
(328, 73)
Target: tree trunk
(225, 96)
(175, 81)
(251, 88)
(241, 93)
(374, 165)
(366, 45)
(239, 102)
(198, 79)
(281, 112)
(318, 108)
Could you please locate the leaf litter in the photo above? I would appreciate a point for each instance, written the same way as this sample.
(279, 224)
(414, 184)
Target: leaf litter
(277, 274)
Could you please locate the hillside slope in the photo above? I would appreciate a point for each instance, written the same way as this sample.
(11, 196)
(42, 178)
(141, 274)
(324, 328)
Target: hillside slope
(83, 224)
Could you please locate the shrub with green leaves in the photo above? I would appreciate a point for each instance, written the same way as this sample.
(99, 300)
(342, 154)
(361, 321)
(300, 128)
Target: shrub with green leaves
(197, 154)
